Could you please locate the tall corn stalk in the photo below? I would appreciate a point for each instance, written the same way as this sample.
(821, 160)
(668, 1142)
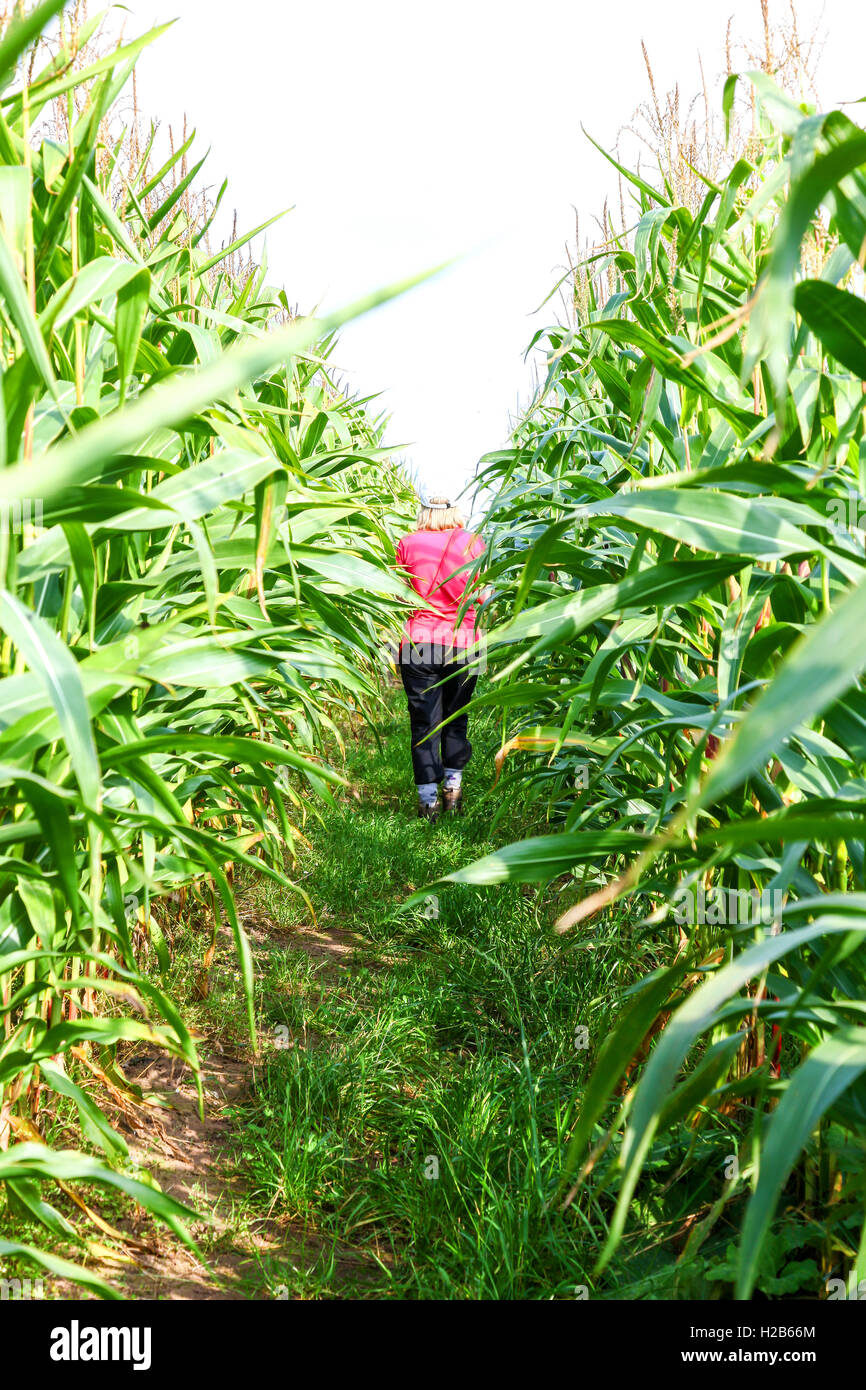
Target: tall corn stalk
(678, 538)
(195, 534)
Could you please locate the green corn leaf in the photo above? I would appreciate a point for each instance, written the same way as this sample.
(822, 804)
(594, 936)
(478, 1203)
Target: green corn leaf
(64, 1269)
(821, 666)
(826, 1073)
(51, 662)
(21, 33)
(172, 403)
(689, 1021)
(837, 318)
(132, 305)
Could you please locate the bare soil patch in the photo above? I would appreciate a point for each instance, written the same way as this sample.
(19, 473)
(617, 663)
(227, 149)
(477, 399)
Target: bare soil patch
(190, 1158)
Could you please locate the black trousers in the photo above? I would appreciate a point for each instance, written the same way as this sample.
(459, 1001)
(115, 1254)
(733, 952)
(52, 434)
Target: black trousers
(430, 703)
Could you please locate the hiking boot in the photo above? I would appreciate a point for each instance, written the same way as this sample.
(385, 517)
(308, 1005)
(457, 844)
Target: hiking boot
(430, 813)
(452, 802)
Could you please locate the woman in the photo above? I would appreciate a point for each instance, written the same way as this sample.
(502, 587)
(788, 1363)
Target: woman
(436, 651)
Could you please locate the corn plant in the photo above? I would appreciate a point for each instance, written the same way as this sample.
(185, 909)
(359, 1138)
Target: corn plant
(196, 533)
(678, 538)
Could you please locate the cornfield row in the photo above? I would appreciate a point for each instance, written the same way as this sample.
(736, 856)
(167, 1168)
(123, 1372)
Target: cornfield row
(196, 530)
(677, 539)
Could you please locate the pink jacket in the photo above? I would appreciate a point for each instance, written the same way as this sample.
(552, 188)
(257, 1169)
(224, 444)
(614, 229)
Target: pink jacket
(430, 559)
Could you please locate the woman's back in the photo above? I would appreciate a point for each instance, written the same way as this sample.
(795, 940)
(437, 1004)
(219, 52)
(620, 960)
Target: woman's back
(430, 559)
(436, 668)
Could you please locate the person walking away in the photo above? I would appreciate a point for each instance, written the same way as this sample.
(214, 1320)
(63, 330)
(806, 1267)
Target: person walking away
(437, 650)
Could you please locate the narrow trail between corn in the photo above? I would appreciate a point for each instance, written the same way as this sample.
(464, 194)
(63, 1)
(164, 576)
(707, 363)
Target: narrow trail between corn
(191, 1160)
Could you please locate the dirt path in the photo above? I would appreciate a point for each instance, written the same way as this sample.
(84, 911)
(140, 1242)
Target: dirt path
(190, 1159)
(186, 1156)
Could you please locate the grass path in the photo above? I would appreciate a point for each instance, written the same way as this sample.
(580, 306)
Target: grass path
(403, 1127)
(412, 1106)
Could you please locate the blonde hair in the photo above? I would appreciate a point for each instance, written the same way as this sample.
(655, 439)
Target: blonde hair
(439, 518)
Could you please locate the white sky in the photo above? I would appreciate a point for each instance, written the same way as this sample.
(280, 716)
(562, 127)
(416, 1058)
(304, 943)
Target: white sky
(406, 133)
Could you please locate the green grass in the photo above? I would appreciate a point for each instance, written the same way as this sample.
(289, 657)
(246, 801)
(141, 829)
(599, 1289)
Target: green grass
(421, 1111)
(419, 1076)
